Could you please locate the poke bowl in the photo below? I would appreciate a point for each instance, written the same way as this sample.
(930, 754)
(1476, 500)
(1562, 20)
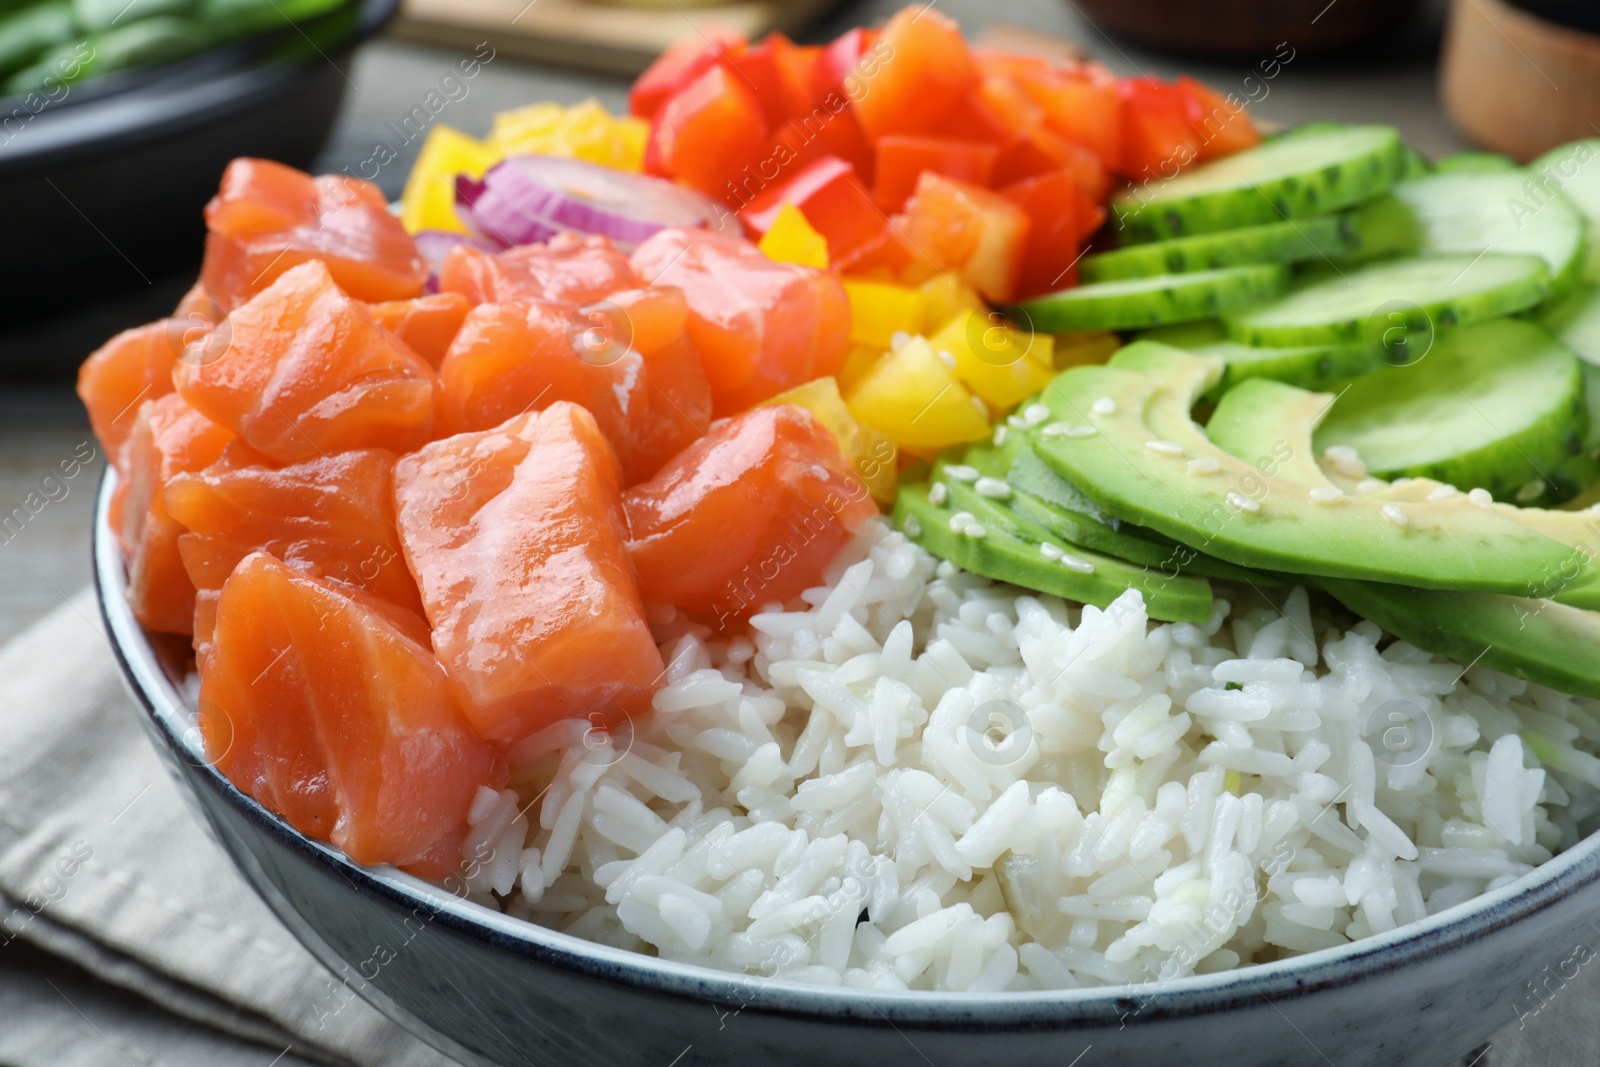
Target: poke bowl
(611, 613)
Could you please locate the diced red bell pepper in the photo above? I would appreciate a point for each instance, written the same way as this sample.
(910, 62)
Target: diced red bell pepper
(1220, 122)
(1010, 64)
(1061, 216)
(831, 198)
(924, 71)
(1084, 107)
(839, 62)
(1011, 106)
(1041, 151)
(818, 133)
(681, 62)
(902, 158)
(1157, 140)
(797, 69)
(972, 119)
(964, 228)
(758, 66)
(707, 133)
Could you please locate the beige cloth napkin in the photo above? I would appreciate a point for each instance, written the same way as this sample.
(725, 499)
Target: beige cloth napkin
(176, 960)
(102, 864)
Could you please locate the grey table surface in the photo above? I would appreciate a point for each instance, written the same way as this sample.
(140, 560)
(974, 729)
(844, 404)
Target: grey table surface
(44, 554)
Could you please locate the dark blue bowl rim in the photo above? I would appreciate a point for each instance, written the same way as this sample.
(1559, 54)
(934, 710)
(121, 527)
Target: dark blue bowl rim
(1196, 995)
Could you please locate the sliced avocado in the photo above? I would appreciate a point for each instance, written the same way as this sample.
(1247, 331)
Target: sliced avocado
(1000, 546)
(1151, 464)
(1308, 366)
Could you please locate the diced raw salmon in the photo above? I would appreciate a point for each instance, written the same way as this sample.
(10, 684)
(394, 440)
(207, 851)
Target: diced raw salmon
(748, 515)
(569, 268)
(169, 437)
(268, 218)
(427, 324)
(326, 711)
(308, 372)
(678, 397)
(761, 326)
(516, 538)
(132, 367)
(330, 517)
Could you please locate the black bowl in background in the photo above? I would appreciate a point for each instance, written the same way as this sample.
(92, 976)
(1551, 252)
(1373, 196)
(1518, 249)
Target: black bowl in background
(103, 190)
(1249, 29)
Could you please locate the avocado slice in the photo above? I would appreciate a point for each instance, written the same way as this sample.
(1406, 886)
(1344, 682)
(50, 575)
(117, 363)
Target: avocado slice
(1149, 463)
(1007, 548)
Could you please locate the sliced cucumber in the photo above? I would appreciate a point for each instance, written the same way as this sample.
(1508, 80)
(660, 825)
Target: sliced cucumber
(1149, 463)
(1308, 366)
(1290, 241)
(1397, 306)
(1539, 640)
(1575, 321)
(1496, 404)
(1474, 163)
(985, 542)
(1136, 302)
(1470, 212)
(1312, 173)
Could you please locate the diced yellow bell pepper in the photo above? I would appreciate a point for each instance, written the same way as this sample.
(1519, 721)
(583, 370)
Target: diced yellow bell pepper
(429, 200)
(856, 364)
(583, 131)
(792, 240)
(872, 455)
(1080, 349)
(1001, 364)
(913, 396)
(879, 310)
(944, 297)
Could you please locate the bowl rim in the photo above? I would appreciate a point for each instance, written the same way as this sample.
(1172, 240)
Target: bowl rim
(1194, 995)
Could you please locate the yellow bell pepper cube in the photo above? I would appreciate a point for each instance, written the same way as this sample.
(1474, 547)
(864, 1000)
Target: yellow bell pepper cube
(1080, 349)
(856, 364)
(429, 199)
(879, 310)
(1001, 364)
(792, 240)
(583, 131)
(944, 297)
(871, 454)
(913, 396)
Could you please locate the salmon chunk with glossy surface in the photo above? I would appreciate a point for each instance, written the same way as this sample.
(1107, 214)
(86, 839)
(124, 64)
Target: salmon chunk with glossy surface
(426, 324)
(333, 714)
(120, 375)
(568, 268)
(516, 538)
(307, 371)
(749, 515)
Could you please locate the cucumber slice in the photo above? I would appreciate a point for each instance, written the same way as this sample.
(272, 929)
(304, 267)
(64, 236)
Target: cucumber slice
(1575, 322)
(1308, 366)
(1311, 173)
(1135, 302)
(1496, 404)
(1149, 463)
(1289, 241)
(1474, 163)
(1545, 642)
(995, 550)
(1397, 305)
(1476, 211)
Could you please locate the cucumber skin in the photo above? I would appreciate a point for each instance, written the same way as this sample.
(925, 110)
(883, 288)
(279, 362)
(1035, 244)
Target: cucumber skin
(1296, 196)
(1188, 299)
(1290, 241)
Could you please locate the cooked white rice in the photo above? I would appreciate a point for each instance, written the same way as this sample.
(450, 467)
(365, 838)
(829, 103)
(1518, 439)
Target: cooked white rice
(926, 780)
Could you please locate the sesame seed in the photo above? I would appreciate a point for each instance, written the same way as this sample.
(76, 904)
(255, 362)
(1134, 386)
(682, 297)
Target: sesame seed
(1345, 460)
(1241, 503)
(1393, 513)
(898, 340)
(1326, 494)
(936, 494)
(946, 358)
(961, 472)
(1402, 481)
(911, 526)
(993, 488)
(1204, 465)
(1081, 431)
(1529, 491)
(1001, 432)
(1444, 492)
(960, 521)
(1075, 563)
(974, 530)
(1035, 414)
(1050, 552)
(1104, 406)
(1368, 486)
(1481, 497)
(977, 402)
(1164, 448)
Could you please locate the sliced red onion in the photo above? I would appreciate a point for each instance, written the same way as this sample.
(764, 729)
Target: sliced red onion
(434, 245)
(528, 199)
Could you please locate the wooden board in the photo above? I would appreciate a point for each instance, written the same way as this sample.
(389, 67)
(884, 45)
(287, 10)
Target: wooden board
(589, 34)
